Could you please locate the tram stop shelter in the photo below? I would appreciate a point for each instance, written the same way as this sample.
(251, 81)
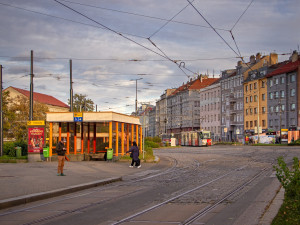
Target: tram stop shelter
(90, 134)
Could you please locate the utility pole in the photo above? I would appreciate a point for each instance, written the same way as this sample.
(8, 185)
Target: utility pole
(136, 94)
(258, 113)
(71, 88)
(31, 89)
(1, 114)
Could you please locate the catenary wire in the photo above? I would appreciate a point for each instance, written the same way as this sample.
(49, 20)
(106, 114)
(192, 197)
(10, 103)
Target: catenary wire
(166, 23)
(129, 39)
(140, 15)
(242, 15)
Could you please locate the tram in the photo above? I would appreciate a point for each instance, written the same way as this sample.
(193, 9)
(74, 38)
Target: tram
(196, 138)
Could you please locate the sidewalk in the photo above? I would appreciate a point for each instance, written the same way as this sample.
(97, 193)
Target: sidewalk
(26, 182)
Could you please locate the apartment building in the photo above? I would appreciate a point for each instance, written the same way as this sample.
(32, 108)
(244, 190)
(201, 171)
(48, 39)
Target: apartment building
(161, 113)
(210, 109)
(255, 93)
(183, 105)
(284, 95)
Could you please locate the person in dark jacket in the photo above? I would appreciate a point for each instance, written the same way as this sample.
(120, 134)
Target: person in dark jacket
(61, 151)
(135, 152)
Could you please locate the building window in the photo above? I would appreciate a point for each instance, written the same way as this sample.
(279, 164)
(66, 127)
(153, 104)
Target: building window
(263, 109)
(255, 123)
(247, 124)
(282, 94)
(251, 111)
(251, 98)
(255, 110)
(271, 109)
(263, 123)
(271, 123)
(262, 84)
(277, 108)
(271, 95)
(282, 80)
(250, 86)
(293, 122)
(282, 108)
(276, 81)
(271, 83)
(293, 91)
(246, 88)
(293, 78)
(255, 98)
(251, 123)
(246, 99)
(263, 97)
(255, 85)
(276, 94)
(247, 111)
(293, 107)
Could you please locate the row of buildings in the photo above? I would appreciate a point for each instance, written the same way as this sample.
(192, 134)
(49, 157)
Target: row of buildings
(262, 95)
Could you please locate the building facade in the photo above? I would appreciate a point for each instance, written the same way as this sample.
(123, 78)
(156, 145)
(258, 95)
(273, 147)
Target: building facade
(283, 95)
(210, 109)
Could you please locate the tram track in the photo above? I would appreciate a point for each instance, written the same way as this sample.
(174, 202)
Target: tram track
(206, 209)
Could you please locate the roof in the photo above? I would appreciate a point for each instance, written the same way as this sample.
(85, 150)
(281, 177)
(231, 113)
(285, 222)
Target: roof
(42, 98)
(285, 67)
(195, 85)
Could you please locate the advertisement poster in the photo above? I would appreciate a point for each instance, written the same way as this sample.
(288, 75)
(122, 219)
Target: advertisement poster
(284, 135)
(35, 139)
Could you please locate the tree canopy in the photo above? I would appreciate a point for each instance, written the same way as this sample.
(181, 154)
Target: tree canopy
(82, 103)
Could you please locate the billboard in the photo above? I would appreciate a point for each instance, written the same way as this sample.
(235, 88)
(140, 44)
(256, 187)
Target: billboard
(35, 139)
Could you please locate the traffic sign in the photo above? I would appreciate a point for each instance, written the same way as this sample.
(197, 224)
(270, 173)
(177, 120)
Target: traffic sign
(78, 117)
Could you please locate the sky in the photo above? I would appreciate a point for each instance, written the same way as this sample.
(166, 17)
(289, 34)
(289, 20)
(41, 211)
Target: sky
(113, 43)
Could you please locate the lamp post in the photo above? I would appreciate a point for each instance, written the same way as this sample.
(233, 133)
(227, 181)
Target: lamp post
(136, 93)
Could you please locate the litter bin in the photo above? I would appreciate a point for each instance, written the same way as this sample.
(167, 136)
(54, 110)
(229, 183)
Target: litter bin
(46, 152)
(18, 152)
(109, 154)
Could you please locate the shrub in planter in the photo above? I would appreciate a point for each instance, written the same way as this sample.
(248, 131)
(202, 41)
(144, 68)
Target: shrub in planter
(7, 146)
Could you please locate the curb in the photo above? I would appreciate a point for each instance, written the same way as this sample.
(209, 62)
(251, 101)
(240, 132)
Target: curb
(50, 194)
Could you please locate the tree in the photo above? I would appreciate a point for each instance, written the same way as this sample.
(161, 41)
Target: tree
(82, 103)
(16, 115)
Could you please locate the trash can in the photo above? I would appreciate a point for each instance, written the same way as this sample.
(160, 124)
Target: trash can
(109, 154)
(18, 152)
(46, 152)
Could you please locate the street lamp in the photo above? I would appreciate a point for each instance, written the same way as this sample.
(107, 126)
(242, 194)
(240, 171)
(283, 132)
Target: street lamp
(136, 93)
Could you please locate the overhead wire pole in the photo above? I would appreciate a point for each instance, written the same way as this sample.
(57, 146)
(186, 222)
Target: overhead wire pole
(31, 89)
(71, 87)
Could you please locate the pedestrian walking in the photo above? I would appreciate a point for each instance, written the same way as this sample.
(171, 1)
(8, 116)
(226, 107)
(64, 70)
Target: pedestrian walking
(134, 154)
(61, 151)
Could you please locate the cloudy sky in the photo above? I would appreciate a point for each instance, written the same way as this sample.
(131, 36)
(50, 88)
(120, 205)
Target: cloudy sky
(114, 42)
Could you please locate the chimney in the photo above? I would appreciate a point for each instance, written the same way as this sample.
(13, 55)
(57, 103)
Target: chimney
(258, 56)
(201, 78)
(294, 56)
(273, 58)
(252, 59)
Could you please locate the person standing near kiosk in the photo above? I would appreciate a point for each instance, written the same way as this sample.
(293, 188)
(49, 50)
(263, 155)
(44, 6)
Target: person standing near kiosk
(135, 152)
(61, 151)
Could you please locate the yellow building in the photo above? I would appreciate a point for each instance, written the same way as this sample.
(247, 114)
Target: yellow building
(255, 94)
(53, 104)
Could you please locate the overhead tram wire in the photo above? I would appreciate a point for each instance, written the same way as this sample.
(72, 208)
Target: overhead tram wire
(236, 24)
(165, 24)
(213, 28)
(120, 34)
(239, 55)
(140, 15)
(62, 18)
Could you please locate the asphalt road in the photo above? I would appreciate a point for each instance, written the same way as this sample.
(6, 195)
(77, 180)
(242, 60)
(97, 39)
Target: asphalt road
(207, 185)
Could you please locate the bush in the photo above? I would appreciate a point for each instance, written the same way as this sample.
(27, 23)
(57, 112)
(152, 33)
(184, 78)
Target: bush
(7, 146)
(151, 144)
(290, 179)
(157, 139)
